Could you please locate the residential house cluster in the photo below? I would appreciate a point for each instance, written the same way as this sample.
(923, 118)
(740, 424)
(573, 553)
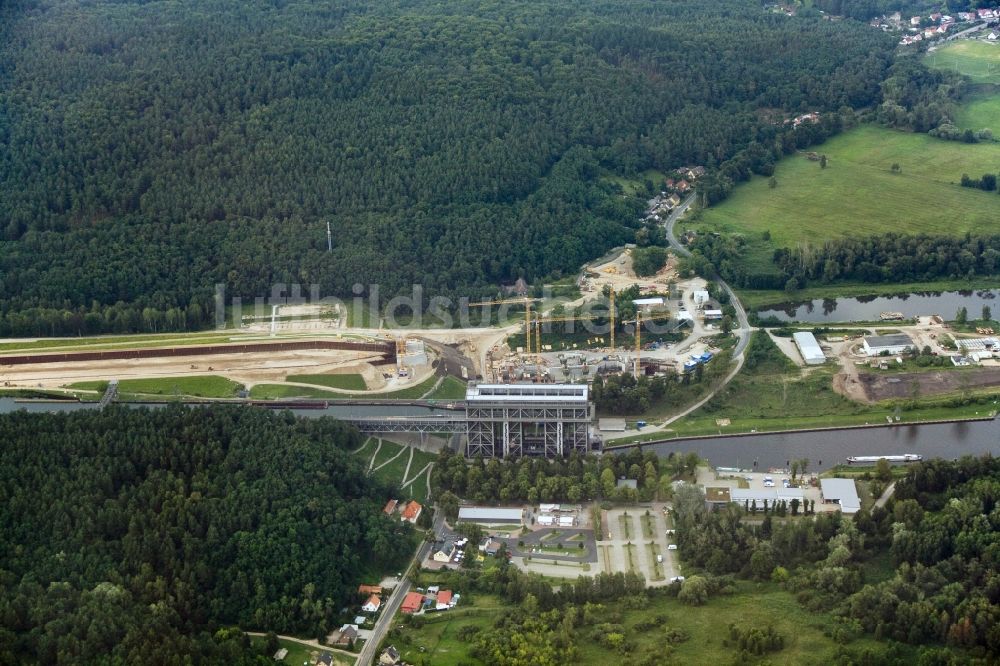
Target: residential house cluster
(680, 183)
(408, 512)
(934, 25)
(431, 599)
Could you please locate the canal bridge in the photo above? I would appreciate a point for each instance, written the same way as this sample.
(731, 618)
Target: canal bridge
(455, 422)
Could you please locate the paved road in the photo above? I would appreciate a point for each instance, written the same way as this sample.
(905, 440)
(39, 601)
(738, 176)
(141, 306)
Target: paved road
(743, 329)
(369, 652)
(886, 494)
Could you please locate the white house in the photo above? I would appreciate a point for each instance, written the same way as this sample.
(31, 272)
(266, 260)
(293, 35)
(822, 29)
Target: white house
(372, 605)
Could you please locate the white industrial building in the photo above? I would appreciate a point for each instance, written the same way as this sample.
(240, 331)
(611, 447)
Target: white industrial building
(549, 520)
(979, 344)
(772, 495)
(842, 492)
(811, 352)
(712, 314)
(488, 515)
(648, 303)
(897, 343)
(700, 297)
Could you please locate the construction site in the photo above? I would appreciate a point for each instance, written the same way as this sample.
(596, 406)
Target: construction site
(672, 330)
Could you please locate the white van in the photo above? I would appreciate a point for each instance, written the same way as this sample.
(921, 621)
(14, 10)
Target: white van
(659, 559)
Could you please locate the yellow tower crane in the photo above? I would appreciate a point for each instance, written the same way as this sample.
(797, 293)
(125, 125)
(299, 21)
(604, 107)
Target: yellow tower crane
(638, 334)
(611, 295)
(526, 302)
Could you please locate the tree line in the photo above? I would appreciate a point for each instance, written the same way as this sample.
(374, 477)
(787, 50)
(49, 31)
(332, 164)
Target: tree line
(877, 259)
(939, 530)
(574, 479)
(141, 536)
(153, 152)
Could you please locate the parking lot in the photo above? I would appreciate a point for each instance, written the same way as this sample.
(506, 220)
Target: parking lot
(638, 541)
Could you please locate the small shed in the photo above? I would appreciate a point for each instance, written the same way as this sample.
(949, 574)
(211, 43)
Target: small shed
(611, 425)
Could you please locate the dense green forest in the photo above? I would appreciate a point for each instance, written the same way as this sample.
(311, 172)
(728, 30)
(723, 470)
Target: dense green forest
(940, 531)
(133, 535)
(153, 149)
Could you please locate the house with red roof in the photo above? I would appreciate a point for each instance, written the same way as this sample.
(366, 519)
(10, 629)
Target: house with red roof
(411, 512)
(412, 602)
(443, 600)
(373, 604)
(390, 507)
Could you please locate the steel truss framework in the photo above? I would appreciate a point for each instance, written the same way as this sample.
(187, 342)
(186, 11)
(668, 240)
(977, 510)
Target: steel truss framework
(514, 430)
(409, 424)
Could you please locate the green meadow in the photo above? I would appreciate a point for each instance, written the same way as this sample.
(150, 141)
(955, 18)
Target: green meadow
(977, 59)
(858, 194)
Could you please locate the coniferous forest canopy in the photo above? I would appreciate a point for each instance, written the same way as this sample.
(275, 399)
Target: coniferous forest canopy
(154, 149)
(133, 535)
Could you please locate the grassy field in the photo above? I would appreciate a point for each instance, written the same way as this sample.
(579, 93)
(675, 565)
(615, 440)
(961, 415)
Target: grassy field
(451, 388)
(392, 472)
(977, 59)
(754, 605)
(980, 110)
(351, 382)
(118, 342)
(277, 391)
(631, 186)
(437, 641)
(386, 452)
(857, 193)
(205, 386)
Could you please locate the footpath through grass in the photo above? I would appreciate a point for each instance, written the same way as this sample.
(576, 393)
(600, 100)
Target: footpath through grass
(279, 391)
(858, 194)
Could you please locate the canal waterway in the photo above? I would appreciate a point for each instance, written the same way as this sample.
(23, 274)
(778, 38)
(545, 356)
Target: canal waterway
(824, 449)
(868, 308)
